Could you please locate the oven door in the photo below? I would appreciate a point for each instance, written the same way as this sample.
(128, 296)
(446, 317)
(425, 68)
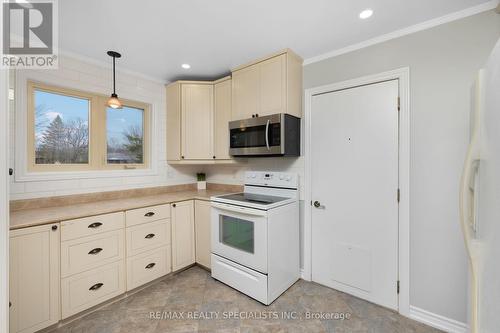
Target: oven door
(257, 136)
(240, 234)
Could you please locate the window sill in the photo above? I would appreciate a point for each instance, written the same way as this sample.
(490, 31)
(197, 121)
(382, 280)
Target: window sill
(70, 175)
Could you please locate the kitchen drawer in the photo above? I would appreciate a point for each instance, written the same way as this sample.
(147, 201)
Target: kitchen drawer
(89, 226)
(148, 266)
(148, 236)
(148, 214)
(79, 255)
(249, 282)
(82, 291)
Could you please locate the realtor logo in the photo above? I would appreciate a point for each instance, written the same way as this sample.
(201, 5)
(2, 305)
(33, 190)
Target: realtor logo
(29, 38)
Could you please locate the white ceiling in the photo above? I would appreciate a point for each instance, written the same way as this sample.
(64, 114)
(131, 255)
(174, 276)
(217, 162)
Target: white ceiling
(156, 36)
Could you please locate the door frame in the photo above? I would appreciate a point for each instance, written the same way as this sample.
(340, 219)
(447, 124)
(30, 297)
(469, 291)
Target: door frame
(4, 201)
(403, 75)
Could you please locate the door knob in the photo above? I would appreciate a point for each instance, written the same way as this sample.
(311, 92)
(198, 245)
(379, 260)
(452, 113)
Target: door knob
(318, 204)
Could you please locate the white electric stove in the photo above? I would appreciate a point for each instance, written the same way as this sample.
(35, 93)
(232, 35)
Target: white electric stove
(255, 236)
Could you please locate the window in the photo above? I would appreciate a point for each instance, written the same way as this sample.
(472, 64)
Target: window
(61, 129)
(125, 135)
(73, 130)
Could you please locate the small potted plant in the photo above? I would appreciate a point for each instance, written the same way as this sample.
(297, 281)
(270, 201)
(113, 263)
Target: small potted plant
(202, 181)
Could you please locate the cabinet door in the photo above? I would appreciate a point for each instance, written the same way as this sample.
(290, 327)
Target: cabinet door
(197, 121)
(34, 278)
(183, 243)
(222, 118)
(273, 86)
(174, 122)
(202, 231)
(246, 92)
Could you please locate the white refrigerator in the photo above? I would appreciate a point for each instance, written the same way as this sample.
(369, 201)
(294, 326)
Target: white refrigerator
(480, 200)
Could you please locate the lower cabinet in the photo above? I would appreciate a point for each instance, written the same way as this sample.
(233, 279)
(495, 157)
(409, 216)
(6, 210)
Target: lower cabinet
(146, 267)
(148, 236)
(82, 291)
(183, 240)
(202, 232)
(59, 270)
(92, 262)
(82, 254)
(34, 278)
(148, 248)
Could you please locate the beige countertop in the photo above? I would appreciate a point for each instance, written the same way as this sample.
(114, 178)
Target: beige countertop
(39, 216)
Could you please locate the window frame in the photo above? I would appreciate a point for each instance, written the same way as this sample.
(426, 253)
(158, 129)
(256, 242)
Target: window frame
(97, 150)
(146, 128)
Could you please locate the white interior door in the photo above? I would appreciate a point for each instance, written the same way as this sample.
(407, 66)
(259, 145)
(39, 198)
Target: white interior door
(354, 147)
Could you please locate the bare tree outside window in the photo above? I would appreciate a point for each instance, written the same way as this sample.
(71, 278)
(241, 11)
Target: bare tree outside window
(125, 136)
(61, 129)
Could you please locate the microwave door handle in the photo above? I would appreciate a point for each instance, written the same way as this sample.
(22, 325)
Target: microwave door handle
(267, 134)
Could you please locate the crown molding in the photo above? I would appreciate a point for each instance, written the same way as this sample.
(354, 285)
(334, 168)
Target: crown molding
(492, 4)
(109, 66)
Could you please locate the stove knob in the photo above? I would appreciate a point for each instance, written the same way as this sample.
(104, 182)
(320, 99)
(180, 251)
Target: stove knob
(288, 178)
(282, 177)
(254, 176)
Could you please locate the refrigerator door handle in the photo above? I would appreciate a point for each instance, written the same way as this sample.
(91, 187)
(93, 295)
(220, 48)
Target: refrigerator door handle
(467, 202)
(473, 191)
(467, 193)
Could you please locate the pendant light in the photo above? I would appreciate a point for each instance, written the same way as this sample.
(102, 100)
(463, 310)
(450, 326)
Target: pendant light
(113, 101)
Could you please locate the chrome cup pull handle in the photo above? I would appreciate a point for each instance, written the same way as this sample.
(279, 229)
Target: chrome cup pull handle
(149, 236)
(94, 225)
(149, 266)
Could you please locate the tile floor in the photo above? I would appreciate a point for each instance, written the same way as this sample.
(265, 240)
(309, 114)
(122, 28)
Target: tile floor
(193, 292)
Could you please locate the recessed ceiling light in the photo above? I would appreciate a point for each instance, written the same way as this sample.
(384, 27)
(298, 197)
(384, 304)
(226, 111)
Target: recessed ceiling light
(186, 66)
(365, 14)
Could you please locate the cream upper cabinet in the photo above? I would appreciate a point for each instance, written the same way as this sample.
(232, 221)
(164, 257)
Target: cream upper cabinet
(268, 86)
(174, 122)
(198, 113)
(202, 227)
(273, 86)
(34, 278)
(245, 92)
(197, 121)
(183, 240)
(222, 113)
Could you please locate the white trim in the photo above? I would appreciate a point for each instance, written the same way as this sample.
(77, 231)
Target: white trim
(406, 31)
(403, 75)
(4, 202)
(21, 165)
(437, 321)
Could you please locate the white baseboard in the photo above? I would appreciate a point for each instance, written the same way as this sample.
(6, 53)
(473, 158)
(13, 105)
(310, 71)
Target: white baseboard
(437, 321)
(302, 276)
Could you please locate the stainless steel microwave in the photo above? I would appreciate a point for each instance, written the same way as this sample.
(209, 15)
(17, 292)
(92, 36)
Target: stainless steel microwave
(274, 135)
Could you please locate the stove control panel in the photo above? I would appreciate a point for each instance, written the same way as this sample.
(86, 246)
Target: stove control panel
(272, 179)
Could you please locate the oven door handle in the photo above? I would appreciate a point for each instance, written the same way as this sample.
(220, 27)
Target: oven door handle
(238, 209)
(267, 134)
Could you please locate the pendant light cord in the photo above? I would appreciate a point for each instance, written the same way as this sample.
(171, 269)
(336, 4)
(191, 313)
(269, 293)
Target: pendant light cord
(114, 79)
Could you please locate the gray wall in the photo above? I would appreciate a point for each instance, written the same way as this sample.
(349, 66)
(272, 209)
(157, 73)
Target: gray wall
(443, 62)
